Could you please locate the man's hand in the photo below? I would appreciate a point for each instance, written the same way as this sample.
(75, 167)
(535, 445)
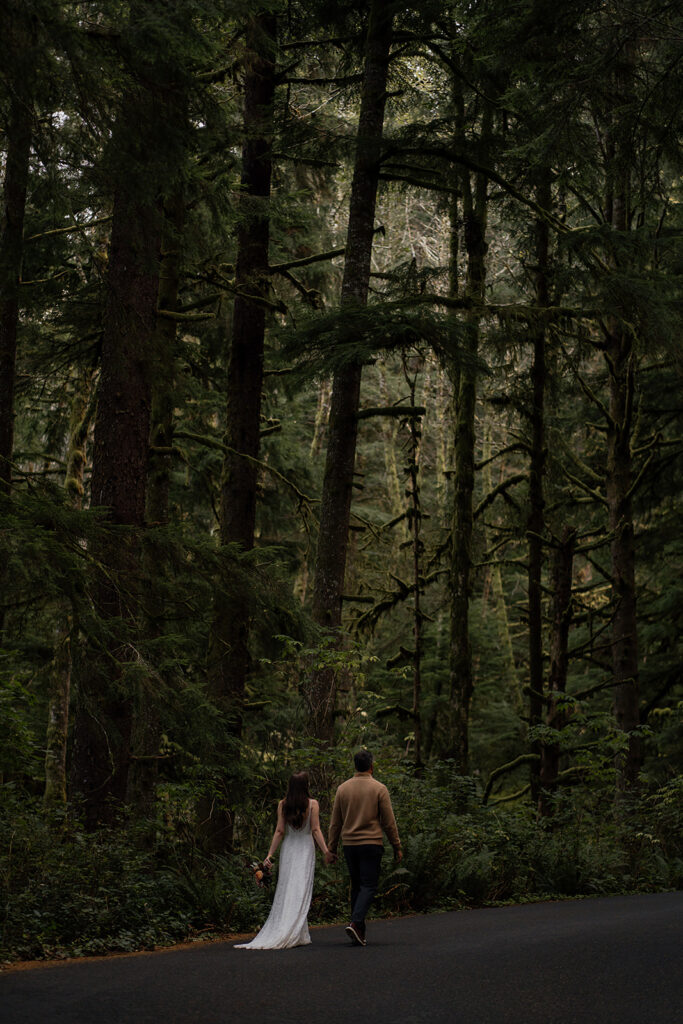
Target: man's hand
(398, 854)
(330, 858)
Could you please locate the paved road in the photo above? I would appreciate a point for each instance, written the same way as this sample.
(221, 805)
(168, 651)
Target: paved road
(581, 962)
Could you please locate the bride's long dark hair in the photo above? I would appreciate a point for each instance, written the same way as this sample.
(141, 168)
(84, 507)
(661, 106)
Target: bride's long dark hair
(295, 804)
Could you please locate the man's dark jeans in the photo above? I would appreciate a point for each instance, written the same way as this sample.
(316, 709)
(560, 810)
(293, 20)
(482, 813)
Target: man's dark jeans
(363, 863)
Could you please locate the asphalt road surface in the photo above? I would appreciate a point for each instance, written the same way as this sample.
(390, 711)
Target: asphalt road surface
(593, 961)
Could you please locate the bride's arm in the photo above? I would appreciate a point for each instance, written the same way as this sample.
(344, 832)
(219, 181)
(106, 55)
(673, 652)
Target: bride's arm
(278, 834)
(315, 829)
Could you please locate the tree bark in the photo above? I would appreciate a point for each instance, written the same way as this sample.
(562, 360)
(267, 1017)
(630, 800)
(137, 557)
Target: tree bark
(461, 684)
(146, 734)
(104, 718)
(414, 517)
(536, 516)
(624, 622)
(561, 613)
(229, 644)
(620, 360)
(15, 188)
(59, 691)
(335, 511)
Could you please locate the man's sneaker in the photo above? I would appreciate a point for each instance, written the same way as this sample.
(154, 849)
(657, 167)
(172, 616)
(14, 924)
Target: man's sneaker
(354, 932)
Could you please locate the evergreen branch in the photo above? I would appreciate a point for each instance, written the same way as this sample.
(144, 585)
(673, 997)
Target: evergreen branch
(305, 43)
(518, 446)
(309, 295)
(607, 539)
(396, 709)
(593, 492)
(672, 677)
(590, 690)
(339, 80)
(306, 261)
(403, 591)
(541, 314)
(198, 303)
(504, 769)
(306, 161)
(47, 280)
(458, 157)
(581, 465)
(419, 183)
(500, 489)
(184, 318)
(511, 796)
(597, 216)
(488, 555)
(653, 442)
(513, 311)
(210, 442)
(260, 300)
(66, 230)
(590, 642)
(639, 478)
(408, 411)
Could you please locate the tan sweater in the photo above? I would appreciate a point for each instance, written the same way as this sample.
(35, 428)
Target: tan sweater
(362, 809)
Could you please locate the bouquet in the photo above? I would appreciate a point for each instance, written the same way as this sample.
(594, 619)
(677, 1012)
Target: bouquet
(262, 873)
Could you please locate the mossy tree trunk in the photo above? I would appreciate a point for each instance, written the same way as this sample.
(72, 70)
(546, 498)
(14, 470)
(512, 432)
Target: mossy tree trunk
(537, 451)
(18, 135)
(15, 188)
(59, 684)
(141, 178)
(620, 360)
(475, 212)
(560, 620)
(335, 510)
(146, 735)
(229, 644)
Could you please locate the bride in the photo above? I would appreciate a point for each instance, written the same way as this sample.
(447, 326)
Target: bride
(298, 827)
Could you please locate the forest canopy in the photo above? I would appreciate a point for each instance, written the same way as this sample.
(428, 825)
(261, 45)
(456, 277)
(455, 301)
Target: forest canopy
(340, 406)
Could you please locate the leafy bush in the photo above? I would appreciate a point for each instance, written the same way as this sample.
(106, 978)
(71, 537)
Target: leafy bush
(64, 892)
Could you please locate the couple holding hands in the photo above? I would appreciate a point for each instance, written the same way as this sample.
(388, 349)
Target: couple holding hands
(362, 811)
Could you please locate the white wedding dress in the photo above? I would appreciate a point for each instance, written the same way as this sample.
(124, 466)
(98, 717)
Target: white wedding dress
(287, 923)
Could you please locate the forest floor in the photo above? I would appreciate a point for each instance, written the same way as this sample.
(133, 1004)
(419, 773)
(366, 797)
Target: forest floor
(614, 959)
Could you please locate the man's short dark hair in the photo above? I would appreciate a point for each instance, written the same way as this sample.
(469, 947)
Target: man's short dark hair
(363, 761)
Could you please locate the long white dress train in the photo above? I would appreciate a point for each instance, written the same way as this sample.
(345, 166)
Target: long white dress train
(287, 923)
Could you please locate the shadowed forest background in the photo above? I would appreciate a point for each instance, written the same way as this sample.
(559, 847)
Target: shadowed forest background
(340, 405)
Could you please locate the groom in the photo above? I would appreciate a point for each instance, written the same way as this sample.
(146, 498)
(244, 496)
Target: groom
(362, 809)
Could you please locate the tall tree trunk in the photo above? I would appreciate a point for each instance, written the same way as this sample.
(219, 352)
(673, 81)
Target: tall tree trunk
(104, 718)
(59, 691)
(461, 685)
(620, 360)
(15, 188)
(536, 517)
(414, 517)
(146, 733)
(560, 618)
(335, 508)
(511, 678)
(618, 491)
(229, 650)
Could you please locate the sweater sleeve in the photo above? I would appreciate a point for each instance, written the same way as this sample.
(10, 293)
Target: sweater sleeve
(387, 819)
(335, 824)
